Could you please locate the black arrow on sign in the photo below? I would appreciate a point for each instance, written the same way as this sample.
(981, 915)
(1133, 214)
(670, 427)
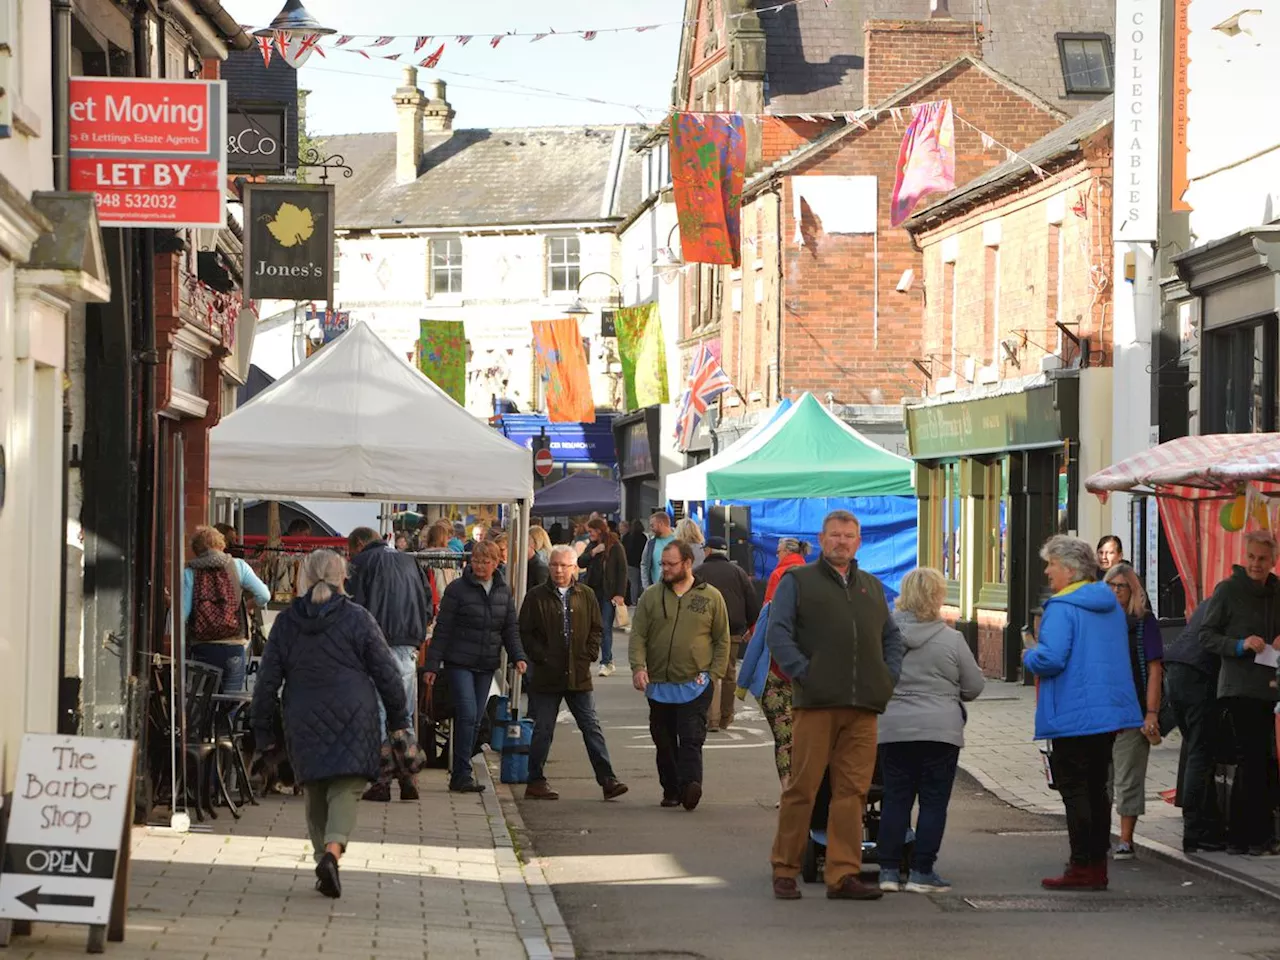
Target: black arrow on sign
(32, 899)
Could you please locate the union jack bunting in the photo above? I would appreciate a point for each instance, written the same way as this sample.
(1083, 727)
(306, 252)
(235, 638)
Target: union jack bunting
(707, 380)
(420, 43)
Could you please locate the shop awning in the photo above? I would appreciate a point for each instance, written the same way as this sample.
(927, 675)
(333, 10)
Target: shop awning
(1192, 468)
(809, 452)
(577, 493)
(1193, 479)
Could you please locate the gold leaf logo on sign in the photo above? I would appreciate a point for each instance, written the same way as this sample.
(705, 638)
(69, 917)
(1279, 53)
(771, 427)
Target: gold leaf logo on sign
(291, 225)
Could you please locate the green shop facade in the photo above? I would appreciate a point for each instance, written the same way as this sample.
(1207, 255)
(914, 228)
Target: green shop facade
(995, 477)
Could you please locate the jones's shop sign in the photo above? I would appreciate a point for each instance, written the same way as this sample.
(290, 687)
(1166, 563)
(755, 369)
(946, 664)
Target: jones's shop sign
(66, 827)
(288, 241)
(152, 152)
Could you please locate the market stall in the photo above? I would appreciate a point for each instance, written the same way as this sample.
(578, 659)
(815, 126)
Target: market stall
(1211, 491)
(804, 463)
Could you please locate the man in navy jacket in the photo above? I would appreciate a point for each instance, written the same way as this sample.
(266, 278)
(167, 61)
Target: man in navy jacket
(390, 586)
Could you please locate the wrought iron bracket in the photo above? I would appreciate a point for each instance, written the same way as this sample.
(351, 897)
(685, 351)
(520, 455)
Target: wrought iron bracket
(312, 159)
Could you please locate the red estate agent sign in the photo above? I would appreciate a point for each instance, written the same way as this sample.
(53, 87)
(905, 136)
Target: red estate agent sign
(153, 152)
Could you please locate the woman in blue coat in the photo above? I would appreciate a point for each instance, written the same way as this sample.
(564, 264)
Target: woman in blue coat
(1085, 697)
(334, 663)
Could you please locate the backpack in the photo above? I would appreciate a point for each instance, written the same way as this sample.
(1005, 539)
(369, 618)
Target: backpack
(215, 607)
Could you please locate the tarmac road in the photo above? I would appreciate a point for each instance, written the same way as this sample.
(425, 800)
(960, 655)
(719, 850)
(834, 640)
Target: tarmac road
(635, 880)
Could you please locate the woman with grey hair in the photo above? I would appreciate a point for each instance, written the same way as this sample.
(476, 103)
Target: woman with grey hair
(1133, 747)
(335, 664)
(1085, 696)
(921, 733)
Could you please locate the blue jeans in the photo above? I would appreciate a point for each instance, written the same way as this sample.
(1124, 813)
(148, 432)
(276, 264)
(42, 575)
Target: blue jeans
(231, 658)
(470, 690)
(545, 708)
(607, 611)
(406, 659)
(911, 770)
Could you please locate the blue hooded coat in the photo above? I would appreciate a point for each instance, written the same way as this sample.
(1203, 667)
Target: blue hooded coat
(1082, 660)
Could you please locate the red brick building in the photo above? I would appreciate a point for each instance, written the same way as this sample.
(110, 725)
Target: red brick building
(822, 305)
(1016, 355)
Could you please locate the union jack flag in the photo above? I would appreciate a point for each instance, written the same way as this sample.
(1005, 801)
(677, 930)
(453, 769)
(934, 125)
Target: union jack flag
(707, 380)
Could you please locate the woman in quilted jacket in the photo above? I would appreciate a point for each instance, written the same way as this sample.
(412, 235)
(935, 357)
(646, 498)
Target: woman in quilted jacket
(334, 663)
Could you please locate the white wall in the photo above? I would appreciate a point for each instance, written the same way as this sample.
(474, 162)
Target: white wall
(1233, 158)
(32, 332)
(385, 282)
(1135, 304)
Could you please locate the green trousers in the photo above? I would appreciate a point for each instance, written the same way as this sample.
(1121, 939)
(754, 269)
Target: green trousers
(331, 810)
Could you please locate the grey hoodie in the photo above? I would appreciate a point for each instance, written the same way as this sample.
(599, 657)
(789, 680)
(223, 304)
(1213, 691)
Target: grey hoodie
(938, 672)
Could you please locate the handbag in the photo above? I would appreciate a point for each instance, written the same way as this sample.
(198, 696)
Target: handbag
(621, 616)
(400, 756)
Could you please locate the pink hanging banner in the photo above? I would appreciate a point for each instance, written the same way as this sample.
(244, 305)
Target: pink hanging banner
(926, 159)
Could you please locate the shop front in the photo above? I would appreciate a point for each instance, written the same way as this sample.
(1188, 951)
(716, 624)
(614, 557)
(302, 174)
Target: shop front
(995, 477)
(638, 437)
(575, 447)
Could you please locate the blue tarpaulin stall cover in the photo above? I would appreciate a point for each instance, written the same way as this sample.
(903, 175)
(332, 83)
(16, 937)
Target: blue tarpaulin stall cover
(576, 493)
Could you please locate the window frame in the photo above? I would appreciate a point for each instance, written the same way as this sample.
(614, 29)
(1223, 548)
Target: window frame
(993, 593)
(1109, 63)
(448, 268)
(572, 267)
(1220, 355)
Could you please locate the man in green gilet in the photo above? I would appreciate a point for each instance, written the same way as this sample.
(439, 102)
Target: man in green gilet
(831, 632)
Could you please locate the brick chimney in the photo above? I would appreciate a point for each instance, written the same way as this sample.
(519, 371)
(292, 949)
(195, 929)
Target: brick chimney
(900, 52)
(439, 114)
(410, 106)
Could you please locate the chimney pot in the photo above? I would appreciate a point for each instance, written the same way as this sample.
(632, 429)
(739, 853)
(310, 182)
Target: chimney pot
(939, 10)
(410, 106)
(438, 113)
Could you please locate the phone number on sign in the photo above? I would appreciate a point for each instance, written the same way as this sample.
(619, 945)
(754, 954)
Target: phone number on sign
(137, 201)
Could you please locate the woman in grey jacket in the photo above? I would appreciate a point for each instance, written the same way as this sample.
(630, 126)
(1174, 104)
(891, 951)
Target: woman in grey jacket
(922, 731)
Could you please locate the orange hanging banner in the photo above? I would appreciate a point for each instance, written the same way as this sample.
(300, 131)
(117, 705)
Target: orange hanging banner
(562, 365)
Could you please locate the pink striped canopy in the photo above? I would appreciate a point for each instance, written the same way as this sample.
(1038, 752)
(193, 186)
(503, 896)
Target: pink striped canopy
(1190, 478)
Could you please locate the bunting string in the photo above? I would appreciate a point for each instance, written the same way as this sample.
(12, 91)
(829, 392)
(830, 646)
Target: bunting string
(381, 40)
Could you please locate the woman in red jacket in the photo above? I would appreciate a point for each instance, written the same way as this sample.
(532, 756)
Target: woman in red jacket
(776, 701)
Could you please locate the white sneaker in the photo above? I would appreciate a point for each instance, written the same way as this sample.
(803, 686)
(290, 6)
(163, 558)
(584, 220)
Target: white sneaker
(607, 670)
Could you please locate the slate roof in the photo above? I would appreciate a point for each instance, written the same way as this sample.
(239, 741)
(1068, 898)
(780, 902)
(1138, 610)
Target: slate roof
(487, 177)
(814, 52)
(1060, 143)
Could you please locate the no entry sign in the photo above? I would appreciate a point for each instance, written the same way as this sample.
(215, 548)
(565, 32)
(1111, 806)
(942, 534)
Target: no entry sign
(153, 152)
(66, 825)
(543, 463)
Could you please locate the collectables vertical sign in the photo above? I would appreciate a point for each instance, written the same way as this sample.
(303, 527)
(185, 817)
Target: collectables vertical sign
(152, 152)
(1136, 156)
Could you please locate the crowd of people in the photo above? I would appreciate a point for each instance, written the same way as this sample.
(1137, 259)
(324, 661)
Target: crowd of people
(853, 688)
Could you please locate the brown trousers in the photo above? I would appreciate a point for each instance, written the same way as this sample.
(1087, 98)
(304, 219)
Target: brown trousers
(724, 693)
(843, 739)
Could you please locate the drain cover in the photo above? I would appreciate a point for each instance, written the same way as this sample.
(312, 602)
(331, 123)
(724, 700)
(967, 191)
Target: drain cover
(1087, 903)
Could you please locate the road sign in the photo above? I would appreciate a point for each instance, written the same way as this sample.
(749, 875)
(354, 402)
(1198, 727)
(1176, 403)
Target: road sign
(153, 152)
(66, 827)
(543, 463)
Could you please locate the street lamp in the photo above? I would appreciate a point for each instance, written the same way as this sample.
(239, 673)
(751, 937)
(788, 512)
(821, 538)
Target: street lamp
(578, 308)
(295, 30)
(666, 256)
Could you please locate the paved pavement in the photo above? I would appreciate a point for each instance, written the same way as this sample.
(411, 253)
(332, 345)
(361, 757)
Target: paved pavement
(1000, 754)
(433, 879)
(637, 881)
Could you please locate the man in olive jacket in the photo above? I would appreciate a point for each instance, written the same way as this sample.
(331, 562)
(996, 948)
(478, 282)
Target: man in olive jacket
(679, 645)
(560, 629)
(1241, 622)
(831, 632)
